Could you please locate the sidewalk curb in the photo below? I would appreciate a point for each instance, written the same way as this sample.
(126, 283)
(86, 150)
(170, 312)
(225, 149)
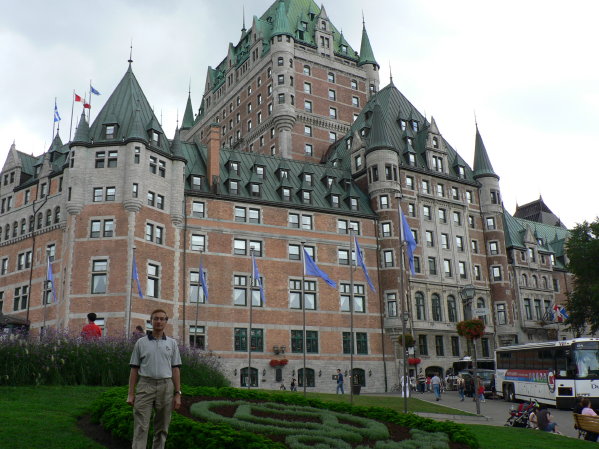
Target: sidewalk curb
(474, 419)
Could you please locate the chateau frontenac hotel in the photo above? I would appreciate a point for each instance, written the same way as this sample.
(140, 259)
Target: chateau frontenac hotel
(295, 145)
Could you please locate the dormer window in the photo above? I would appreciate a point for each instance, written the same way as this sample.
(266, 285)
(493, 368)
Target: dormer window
(283, 174)
(196, 182)
(415, 126)
(402, 123)
(335, 201)
(435, 142)
(411, 159)
(259, 169)
(110, 131)
(461, 172)
(308, 178)
(353, 203)
(438, 163)
(344, 49)
(255, 190)
(234, 167)
(286, 194)
(409, 141)
(154, 137)
(233, 187)
(323, 25)
(306, 197)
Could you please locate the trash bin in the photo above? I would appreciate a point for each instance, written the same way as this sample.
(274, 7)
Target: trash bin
(356, 389)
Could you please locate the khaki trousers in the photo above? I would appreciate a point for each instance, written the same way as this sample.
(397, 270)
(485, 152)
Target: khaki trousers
(152, 394)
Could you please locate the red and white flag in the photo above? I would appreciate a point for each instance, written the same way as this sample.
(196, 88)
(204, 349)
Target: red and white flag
(87, 105)
(78, 98)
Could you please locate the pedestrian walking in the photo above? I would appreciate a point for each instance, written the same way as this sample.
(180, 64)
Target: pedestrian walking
(436, 384)
(421, 381)
(154, 383)
(339, 382)
(461, 384)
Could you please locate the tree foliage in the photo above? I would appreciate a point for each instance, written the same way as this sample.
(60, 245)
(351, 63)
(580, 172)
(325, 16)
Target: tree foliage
(583, 254)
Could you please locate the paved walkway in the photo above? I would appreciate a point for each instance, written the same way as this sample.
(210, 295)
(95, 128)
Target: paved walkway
(493, 412)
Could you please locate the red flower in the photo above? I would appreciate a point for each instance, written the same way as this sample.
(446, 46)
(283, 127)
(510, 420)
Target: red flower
(471, 329)
(414, 361)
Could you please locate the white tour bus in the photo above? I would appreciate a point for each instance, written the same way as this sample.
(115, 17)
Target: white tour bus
(553, 372)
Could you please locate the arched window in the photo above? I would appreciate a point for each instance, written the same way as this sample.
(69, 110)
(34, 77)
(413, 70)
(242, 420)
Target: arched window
(359, 377)
(31, 223)
(243, 377)
(420, 306)
(48, 217)
(436, 306)
(40, 218)
(544, 282)
(452, 309)
(7, 232)
(480, 304)
(535, 281)
(524, 280)
(15, 228)
(310, 381)
(56, 214)
(23, 226)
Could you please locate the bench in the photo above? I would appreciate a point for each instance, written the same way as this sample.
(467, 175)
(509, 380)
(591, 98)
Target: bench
(586, 423)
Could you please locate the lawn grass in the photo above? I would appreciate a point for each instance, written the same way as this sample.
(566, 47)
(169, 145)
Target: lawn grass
(496, 437)
(36, 417)
(392, 402)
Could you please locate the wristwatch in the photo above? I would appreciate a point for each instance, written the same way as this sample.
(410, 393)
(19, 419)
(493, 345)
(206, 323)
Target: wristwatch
(178, 392)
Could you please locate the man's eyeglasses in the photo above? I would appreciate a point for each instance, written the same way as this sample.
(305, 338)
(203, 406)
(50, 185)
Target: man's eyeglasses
(160, 318)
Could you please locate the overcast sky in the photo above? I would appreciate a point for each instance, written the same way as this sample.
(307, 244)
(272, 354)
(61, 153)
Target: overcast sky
(528, 70)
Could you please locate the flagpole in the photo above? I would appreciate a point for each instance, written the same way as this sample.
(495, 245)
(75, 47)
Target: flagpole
(45, 291)
(130, 298)
(53, 122)
(303, 304)
(404, 383)
(72, 109)
(195, 340)
(90, 102)
(351, 316)
(249, 341)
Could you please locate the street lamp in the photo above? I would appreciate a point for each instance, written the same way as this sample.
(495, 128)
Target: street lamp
(405, 316)
(467, 294)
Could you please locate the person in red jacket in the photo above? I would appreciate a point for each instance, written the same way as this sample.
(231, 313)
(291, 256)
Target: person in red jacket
(481, 390)
(91, 330)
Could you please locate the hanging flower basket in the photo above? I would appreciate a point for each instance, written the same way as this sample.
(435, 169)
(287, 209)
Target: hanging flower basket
(471, 329)
(414, 361)
(409, 340)
(276, 362)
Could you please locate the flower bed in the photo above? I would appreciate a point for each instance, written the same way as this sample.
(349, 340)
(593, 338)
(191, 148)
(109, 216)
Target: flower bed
(236, 415)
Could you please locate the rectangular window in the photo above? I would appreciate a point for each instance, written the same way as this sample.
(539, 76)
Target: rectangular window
(98, 194)
(447, 268)
(359, 298)
(295, 294)
(527, 309)
(388, 258)
(153, 286)
(391, 305)
(455, 346)
(198, 242)
(360, 343)
(462, 269)
(332, 95)
(297, 341)
(99, 276)
(422, 345)
(196, 293)
(439, 349)
(198, 209)
(20, 298)
(432, 265)
(477, 272)
(501, 314)
(496, 273)
(490, 223)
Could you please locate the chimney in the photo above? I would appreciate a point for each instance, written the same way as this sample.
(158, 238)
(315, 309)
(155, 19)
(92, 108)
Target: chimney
(213, 145)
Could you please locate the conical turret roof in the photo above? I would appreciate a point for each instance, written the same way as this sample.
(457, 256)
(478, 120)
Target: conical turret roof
(281, 22)
(82, 134)
(188, 116)
(378, 136)
(482, 164)
(366, 53)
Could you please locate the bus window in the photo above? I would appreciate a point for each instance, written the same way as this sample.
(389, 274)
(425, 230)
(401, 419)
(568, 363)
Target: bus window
(561, 364)
(587, 363)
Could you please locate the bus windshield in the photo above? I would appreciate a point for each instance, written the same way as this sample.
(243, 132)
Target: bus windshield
(587, 363)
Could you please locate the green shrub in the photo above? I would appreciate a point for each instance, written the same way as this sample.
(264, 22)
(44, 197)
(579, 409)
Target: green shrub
(61, 359)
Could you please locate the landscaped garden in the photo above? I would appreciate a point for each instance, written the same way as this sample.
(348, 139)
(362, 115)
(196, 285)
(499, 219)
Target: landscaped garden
(47, 400)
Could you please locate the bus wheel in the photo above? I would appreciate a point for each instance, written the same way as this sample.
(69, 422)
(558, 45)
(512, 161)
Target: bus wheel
(511, 393)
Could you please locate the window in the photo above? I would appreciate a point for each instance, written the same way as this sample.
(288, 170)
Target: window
(422, 345)
(306, 67)
(355, 101)
(496, 273)
(426, 186)
(384, 202)
(331, 77)
(477, 272)
(490, 222)
(410, 182)
(354, 84)
(420, 306)
(308, 130)
(98, 194)
(527, 309)
(99, 276)
(332, 136)
(196, 293)
(307, 105)
(457, 218)
(256, 340)
(4, 266)
(416, 264)
(386, 229)
(430, 239)
(307, 88)
(447, 268)
(332, 95)
(426, 212)
(469, 196)
(452, 310)
(198, 209)
(360, 344)
(297, 342)
(440, 190)
(387, 258)
(440, 351)
(495, 197)
(455, 193)
(296, 301)
(494, 248)
(332, 113)
(501, 314)
(471, 222)
(153, 286)
(359, 298)
(432, 265)
(459, 243)
(20, 298)
(101, 228)
(198, 242)
(391, 305)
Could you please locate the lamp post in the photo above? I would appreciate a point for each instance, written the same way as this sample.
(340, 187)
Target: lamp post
(405, 316)
(467, 294)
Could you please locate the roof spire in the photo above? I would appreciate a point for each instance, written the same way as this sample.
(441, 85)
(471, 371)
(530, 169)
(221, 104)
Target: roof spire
(130, 52)
(366, 53)
(482, 164)
(243, 18)
(390, 73)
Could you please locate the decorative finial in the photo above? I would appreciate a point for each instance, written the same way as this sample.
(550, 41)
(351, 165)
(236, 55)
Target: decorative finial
(363, 21)
(475, 121)
(243, 28)
(177, 118)
(189, 91)
(390, 73)
(130, 52)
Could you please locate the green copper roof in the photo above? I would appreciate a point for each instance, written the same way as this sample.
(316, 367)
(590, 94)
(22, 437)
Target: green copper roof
(188, 116)
(281, 23)
(378, 138)
(176, 149)
(120, 109)
(366, 53)
(395, 108)
(551, 239)
(82, 132)
(482, 163)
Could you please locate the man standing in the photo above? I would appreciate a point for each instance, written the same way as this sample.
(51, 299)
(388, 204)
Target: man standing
(436, 383)
(339, 382)
(91, 330)
(155, 363)
(421, 381)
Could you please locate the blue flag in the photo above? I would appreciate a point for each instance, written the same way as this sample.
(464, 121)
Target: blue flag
(93, 91)
(50, 279)
(408, 237)
(56, 114)
(203, 282)
(362, 264)
(136, 277)
(311, 269)
(257, 280)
